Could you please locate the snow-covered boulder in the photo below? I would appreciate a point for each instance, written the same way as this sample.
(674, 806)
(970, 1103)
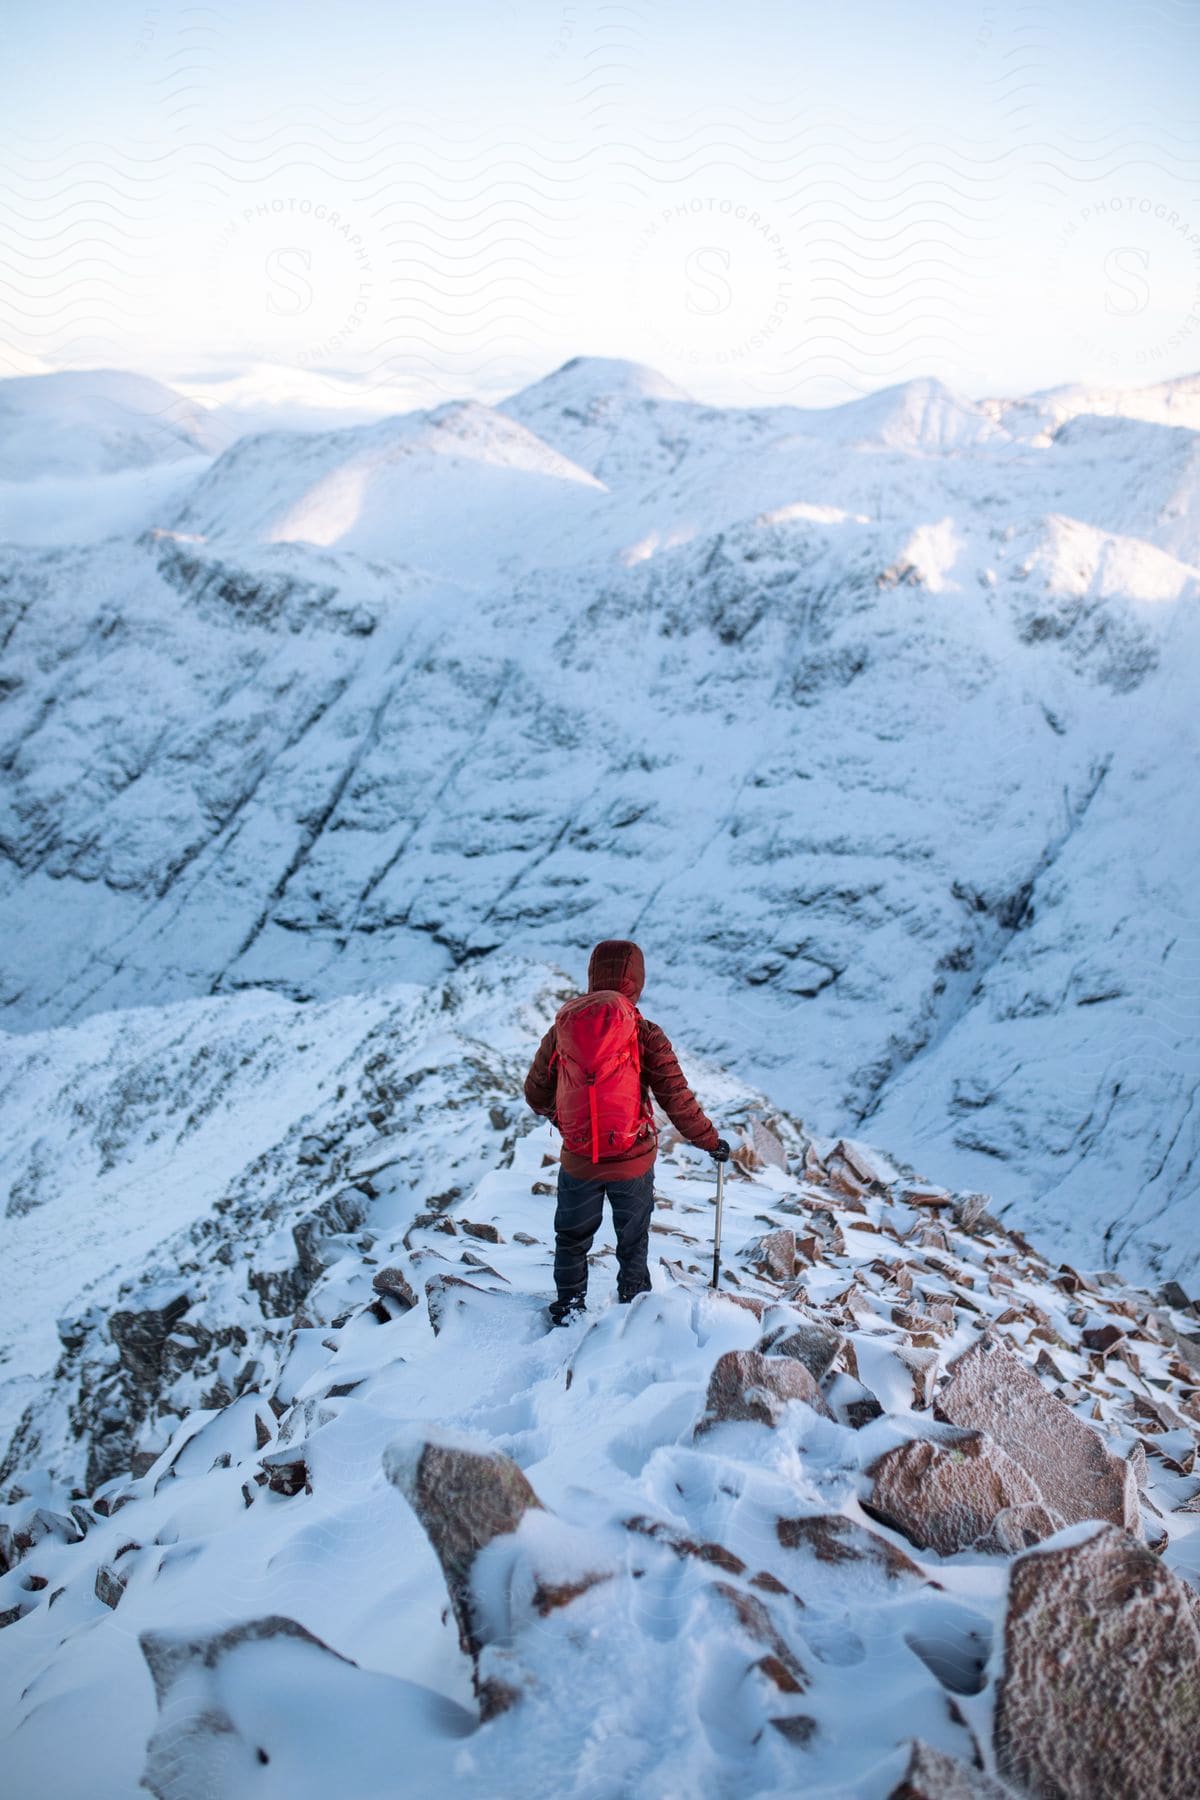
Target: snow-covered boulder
(1101, 1675)
(991, 1391)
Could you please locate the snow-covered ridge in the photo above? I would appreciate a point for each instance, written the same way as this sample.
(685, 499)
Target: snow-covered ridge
(95, 422)
(446, 487)
(875, 724)
(893, 1454)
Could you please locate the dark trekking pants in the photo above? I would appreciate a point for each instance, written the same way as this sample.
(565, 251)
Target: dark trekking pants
(577, 1219)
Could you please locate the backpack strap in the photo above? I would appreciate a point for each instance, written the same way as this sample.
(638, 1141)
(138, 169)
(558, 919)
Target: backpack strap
(591, 1088)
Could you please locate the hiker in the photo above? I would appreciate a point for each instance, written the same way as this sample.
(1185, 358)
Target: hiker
(592, 1077)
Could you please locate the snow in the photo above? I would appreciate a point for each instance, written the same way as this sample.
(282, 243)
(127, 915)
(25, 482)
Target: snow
(460, 489)
(328, 754)
(223, 1578)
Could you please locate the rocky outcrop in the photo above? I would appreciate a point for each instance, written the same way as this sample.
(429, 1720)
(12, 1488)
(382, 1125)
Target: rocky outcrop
(808, 1341)
(777, 1663)
(196, 1745)
(446, 1296)
(464, 1497)
(947, 1495)
(393, 1284)
(993, 1391)
(286, 1473)
(110, 1585)
(266, 1705)
(483, 1230)
(745, 1385)
(1100, 1690)
(774, 1255)
(140, 1334)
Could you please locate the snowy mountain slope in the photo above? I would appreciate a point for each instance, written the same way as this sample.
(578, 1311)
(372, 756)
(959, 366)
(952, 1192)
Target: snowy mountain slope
(720, 1568)
(1174, 402)
(1091, 1011)
(664, 448)
(210, 1150)
(96, 453)
(461, 489)
(821, 706)
(96, 422)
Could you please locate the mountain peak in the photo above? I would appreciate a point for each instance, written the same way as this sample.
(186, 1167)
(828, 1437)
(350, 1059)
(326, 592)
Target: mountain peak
(922, 413)
(587, 378)
(94, 422)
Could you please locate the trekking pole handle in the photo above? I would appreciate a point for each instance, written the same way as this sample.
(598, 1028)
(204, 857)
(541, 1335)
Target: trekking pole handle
(716, 1274)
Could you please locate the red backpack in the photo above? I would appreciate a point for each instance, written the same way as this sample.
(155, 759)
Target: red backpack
(598, 1106)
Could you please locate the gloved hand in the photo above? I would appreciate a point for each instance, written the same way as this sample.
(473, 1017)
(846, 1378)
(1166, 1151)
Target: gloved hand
(721, 1153)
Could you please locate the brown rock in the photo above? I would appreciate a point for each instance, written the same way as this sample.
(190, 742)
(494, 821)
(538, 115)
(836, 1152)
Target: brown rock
(767, 1145)
(1046, 1365)
(446, 1294)
(922, 1364)
(993, 1391)
(488, 1233)
(110, 1586)
(395, 1284)
(775, 1255)
(1018, 1528)
(548, 1596)
(832, 1538)
(861, 1162)
(972, 1216)
(780, 1664)
(853, 1404)
(1100, 1693)
(924, 1194)
(747, 1385)
(829, 1232)
(464, 1498)
(1103, 1338)
(197, 1743)
(749, 1302)
(286, 1473)
(808, 1342)
(140, 1335)
(715, 1554)
(932, 1775)
(797, 1728)
(946, 1496)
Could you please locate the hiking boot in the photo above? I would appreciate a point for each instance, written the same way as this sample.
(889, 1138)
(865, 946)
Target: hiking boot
(566, 1308)
(626, 1294)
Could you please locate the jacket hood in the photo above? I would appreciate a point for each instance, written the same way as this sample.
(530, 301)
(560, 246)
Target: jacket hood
(617, 965)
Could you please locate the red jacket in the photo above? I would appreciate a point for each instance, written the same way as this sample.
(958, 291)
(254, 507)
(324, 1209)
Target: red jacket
(618, 965)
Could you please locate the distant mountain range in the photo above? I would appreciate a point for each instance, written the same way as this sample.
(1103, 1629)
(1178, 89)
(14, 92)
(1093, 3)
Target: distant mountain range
(875, 723)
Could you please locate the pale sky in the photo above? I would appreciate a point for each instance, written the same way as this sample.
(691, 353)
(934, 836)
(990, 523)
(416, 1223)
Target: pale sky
(768, 202)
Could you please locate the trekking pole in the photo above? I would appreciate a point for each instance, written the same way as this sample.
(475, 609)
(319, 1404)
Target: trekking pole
(716, 1275)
